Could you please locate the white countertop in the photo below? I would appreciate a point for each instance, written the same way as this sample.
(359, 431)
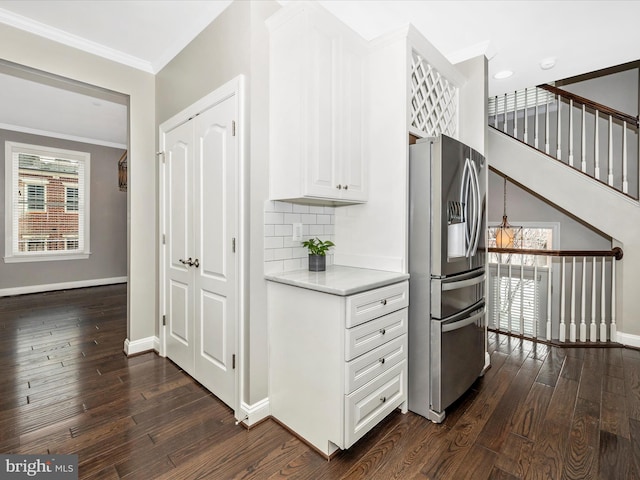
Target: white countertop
(338, 280)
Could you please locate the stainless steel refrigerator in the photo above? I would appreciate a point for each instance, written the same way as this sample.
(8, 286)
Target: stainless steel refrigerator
(447, 261)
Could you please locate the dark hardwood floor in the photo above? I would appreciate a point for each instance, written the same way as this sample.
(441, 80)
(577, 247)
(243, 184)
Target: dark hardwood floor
(539, 412)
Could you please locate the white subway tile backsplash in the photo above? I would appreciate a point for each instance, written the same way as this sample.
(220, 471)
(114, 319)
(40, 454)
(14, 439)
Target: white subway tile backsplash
(283, 230)
(269, 230)
(292, 218)
(285, 207)
(315, 230)
(308, 218)
(297, 208)
(294, 264)
(274, 218)
(274, 267)
(273, 242)
(282, 253)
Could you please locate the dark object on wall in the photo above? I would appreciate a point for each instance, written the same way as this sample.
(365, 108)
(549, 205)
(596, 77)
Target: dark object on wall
(122, 172)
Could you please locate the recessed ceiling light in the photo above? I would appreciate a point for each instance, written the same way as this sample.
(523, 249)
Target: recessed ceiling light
(503, 74)
(547, 63)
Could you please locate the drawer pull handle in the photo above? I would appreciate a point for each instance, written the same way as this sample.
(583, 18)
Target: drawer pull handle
(382, 360)
(383, 331)
(383, 302)
(383, 399)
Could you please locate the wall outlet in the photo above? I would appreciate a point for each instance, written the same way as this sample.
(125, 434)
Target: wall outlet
(297, 232)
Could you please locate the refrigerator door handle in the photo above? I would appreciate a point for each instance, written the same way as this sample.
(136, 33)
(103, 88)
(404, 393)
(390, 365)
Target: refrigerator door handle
(470, 196)
(463, 283)
(450, 327)
(464, 202)
(478, 208)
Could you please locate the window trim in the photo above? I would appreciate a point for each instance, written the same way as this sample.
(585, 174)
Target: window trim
(12, 255)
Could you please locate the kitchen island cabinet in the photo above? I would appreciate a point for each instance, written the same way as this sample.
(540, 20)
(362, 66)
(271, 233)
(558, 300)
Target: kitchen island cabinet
(337, 363)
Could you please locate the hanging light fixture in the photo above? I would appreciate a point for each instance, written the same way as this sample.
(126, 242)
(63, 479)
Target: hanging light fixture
(505, 234)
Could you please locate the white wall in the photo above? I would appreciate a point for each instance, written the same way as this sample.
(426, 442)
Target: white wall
(26, 49)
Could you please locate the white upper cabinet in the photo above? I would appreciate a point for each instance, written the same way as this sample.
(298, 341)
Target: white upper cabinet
(317, 108)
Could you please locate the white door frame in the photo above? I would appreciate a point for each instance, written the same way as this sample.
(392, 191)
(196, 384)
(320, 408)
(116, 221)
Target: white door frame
(235, 87)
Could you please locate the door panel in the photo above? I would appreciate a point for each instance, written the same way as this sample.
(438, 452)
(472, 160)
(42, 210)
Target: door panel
(213, 348)
(215, 280)
(179, 221)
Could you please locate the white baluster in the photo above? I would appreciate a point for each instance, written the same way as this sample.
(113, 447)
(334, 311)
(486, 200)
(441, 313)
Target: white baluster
(495, 111)
(546, 127)
(498, 296)
(536, 310)
(583, 165)
(596, 153)
(536, 123)
(572, 325)
(521, 294)
(571, 133)
(625, 182)
(549, 277)
(593, 331)
(559, 128)
(603, 312)
(583, 297)
(510, 303)
(515, 114)
(504, 127)
(563, 329)
(613, 329)
(525, 135)
(610, 175)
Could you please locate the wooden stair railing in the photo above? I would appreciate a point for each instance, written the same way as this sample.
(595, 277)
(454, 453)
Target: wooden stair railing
(524, 301)
(598, 146)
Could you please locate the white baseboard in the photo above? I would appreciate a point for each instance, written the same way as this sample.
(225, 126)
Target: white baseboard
(252, 414)
(628, 339)
(49, 287)
(139, 346)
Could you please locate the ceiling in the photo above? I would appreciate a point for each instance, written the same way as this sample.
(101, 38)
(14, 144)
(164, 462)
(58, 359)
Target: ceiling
(582, 36)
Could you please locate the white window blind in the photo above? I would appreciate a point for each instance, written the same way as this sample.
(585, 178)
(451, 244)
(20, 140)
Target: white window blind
(517, 303)
(47, 203)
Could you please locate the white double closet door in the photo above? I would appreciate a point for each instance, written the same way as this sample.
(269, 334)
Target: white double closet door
(201, 217)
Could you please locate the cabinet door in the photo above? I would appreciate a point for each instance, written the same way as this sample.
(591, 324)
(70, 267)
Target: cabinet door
(323, 84)
(352, 121)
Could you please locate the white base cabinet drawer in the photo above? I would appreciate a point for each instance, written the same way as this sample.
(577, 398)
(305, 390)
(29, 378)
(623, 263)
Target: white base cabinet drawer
(370, 335)
(375, 303)
(366, 407)
(366, 367)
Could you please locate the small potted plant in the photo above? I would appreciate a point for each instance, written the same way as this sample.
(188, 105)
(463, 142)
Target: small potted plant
(317, 253)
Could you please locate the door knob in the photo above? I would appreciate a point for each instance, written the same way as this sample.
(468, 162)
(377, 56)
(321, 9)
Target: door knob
(185, 262)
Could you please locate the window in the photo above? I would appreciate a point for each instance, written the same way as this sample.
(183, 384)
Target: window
(46, 202)
(518, 284)
(35, 198)
(71, 196)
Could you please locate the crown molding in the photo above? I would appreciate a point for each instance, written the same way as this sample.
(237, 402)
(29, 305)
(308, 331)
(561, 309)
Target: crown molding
(62, 136)
(37, 28)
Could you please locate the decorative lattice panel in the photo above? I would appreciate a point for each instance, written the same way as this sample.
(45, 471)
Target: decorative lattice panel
(434, 101)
